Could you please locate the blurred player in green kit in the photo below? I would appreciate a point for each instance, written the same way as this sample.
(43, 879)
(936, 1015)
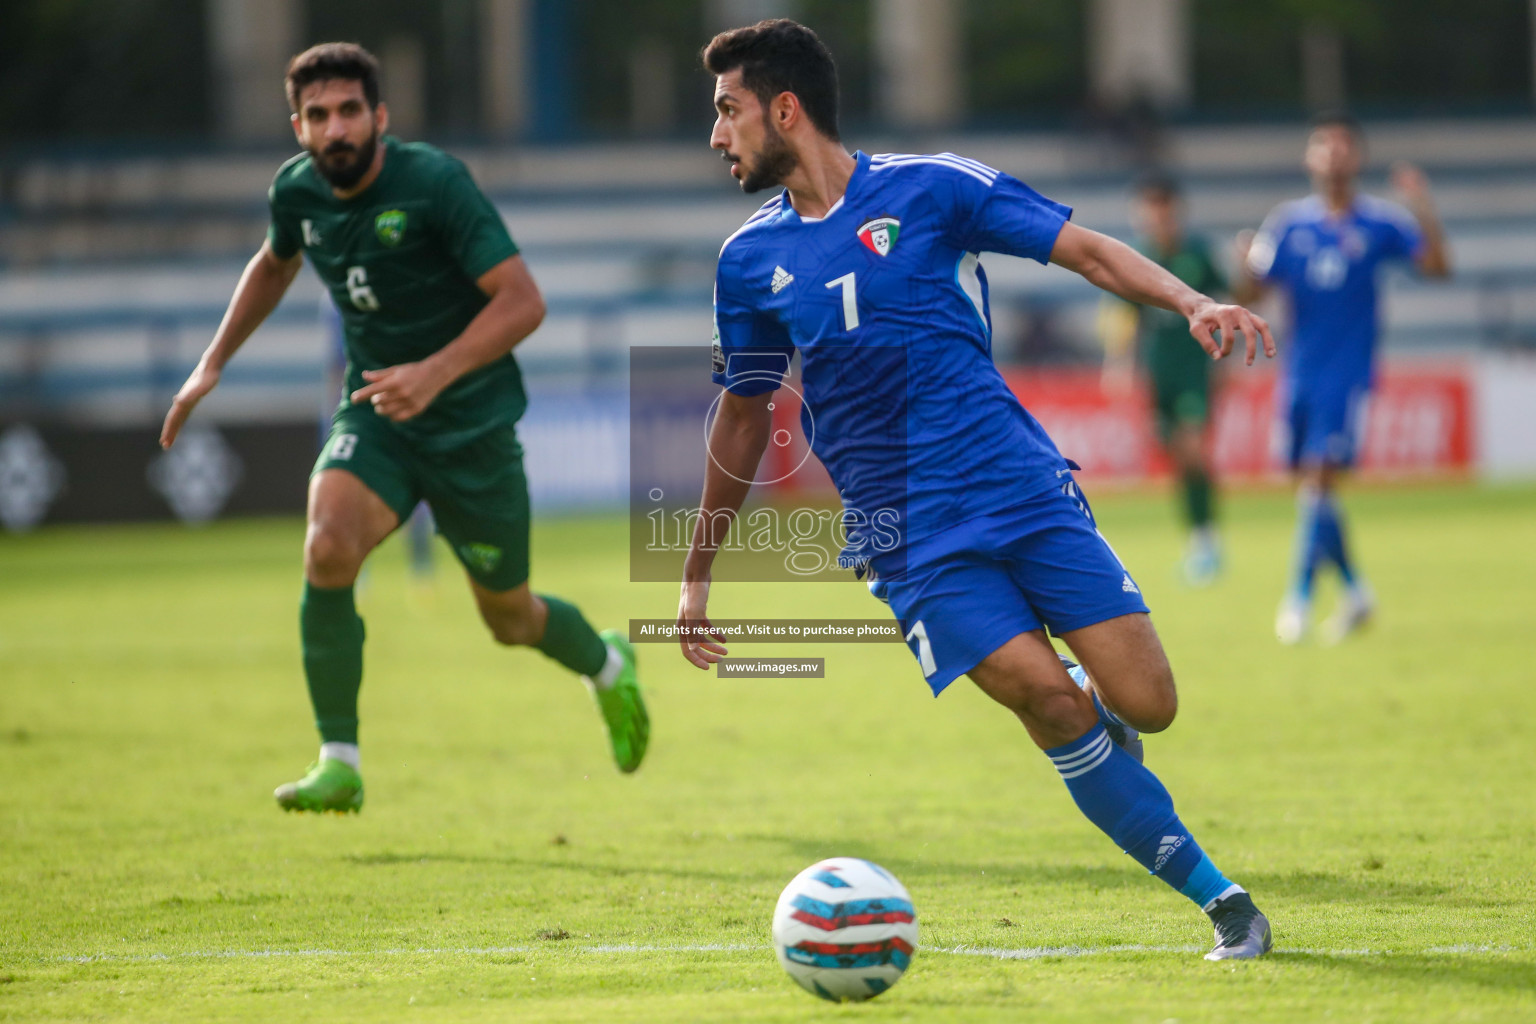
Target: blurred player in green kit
(433, 298)
(1179, 373)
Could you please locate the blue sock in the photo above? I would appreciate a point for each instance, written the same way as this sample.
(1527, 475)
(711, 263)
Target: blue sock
(1131, 806)
(1309, 544)
(1330, 521)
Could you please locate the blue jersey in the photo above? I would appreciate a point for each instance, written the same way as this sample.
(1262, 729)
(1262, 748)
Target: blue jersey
(1329, 267)
(886, 302)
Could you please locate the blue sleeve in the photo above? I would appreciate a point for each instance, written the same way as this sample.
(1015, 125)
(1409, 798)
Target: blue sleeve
(751, 351)
(997, 212)
(1401, 237)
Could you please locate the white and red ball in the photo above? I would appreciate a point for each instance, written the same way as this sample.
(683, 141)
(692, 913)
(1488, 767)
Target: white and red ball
(845, 929)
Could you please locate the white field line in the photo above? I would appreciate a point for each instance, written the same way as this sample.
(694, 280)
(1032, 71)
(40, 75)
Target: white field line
(1049, 952)
(1026, 953)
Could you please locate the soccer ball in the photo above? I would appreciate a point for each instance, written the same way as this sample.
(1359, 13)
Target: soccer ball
(845, 929)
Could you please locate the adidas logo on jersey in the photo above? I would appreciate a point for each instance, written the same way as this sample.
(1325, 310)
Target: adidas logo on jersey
(781, 279)
(1165, 849)
(1128, 586)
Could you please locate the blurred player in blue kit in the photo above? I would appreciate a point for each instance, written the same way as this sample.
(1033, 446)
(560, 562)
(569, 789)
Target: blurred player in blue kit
(1325, 253)
(956, 502)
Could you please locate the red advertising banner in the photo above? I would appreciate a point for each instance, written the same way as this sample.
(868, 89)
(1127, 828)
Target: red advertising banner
(1418, 421)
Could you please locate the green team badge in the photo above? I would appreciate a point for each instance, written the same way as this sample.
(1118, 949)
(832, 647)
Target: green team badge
(482, 556)
(390, 226)
(880, 234)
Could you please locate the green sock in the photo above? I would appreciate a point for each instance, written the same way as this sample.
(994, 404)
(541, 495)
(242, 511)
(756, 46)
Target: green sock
(332, 636)
(1199, 498)
(570, 640)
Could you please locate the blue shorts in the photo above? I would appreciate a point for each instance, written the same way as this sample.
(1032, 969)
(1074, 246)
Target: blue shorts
(970, 589)
(1323, 426)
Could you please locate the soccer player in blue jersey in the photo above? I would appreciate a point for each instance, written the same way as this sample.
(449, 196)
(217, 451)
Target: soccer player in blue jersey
(867, 266)
(1325, 254)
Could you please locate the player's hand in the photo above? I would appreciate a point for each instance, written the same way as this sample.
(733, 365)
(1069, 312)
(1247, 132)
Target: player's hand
(1242, 245)
(401, 392)
(203, 380)
(1215, 325)
(1410, 183)
(693, 627)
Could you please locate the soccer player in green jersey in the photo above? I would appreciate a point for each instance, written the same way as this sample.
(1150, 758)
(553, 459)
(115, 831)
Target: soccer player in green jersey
(1180, 373)
(434, 297)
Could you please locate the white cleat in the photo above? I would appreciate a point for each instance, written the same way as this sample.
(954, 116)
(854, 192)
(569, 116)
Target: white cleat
(1291, 621)
(1242, 932)
(1354, 613)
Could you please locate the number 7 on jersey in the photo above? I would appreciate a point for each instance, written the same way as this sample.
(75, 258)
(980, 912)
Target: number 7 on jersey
(850, 300)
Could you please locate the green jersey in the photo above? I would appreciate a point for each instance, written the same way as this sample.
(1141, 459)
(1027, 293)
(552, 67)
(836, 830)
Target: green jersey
(1175, 360)
(401, 260)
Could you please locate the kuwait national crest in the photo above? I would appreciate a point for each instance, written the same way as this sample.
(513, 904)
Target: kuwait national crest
(880, 234)
(390, 226)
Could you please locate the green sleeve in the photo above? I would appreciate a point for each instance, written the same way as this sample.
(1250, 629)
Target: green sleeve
(469, 226)
(284, 243)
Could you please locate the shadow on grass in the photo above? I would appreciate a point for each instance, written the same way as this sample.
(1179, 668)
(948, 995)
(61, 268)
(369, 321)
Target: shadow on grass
(1320, 887)
(572, 864)
(1002, 875)
(1308, 887)
(1499, 972)
(1313, 886)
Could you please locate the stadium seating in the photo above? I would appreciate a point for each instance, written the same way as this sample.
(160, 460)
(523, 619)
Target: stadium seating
(628, 259)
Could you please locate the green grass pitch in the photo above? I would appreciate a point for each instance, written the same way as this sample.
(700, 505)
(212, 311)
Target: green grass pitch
(1379, 799)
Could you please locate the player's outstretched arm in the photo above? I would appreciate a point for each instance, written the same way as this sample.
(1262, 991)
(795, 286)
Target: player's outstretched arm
(737, 440)
(1434, 257)
(261, 288)
(1121, 270)
(514, 311)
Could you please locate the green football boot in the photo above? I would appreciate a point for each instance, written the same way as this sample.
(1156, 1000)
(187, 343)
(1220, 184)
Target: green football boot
(329, 786)
(623, 707)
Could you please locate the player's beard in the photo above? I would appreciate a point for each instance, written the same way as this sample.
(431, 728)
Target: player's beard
(344, 174)
(775, 162)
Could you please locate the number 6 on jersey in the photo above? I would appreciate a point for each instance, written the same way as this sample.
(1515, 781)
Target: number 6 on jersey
(358, 291)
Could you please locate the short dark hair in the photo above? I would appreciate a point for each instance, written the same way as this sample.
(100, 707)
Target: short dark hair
(1160, 185)
(1337, 118)
(347, 61)
(777, 56)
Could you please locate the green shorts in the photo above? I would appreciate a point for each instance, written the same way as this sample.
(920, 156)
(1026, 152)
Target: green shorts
(1184, 406)
(477, 491)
